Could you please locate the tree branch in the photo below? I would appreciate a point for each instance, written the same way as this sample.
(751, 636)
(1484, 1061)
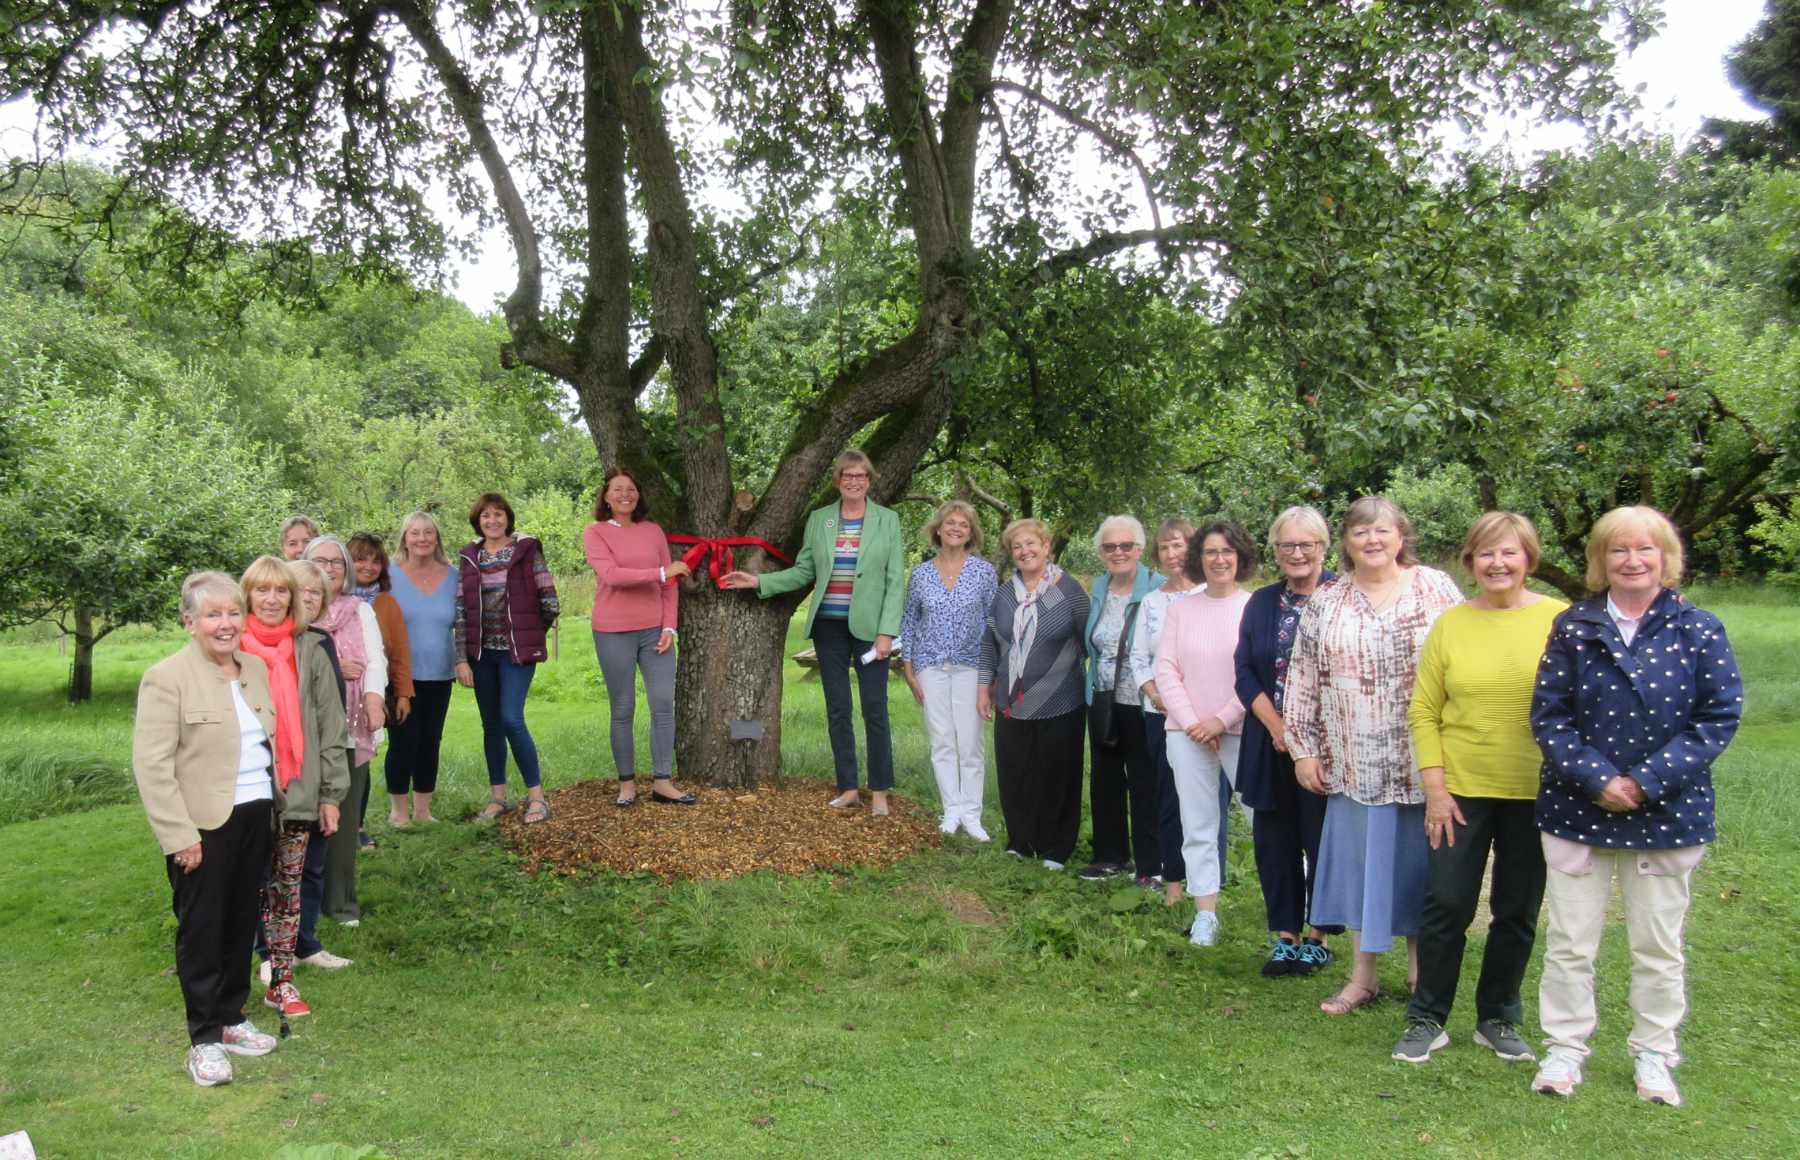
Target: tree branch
(1106, 137)
(1102, 245)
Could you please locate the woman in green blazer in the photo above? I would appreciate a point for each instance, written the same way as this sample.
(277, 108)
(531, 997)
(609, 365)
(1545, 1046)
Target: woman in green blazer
(854, 562)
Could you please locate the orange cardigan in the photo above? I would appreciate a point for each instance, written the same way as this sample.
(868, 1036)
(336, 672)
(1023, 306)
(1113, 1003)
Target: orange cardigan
(394, 642)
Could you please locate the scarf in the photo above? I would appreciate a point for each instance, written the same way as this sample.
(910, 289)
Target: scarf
(275, 645)
(1025, 626)
(343, 623)
(366, 592)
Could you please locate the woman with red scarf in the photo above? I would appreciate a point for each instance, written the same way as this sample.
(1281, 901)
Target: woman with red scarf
(311, 773)
(354, 632)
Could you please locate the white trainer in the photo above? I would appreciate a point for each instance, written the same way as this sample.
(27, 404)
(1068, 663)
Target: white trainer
(1559, 1074)
(1052, 864)
(245, 1039)
(326, 961)
(974, 830)
(947, 826)
(1205, 931)
(1654, 1083)
(208, 1064)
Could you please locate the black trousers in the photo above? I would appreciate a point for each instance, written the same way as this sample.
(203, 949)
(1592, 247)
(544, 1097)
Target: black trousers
(217, 906)
(1508, 827)
(1037, 765)
(838, 653)
(1286, 843)
(1121, 787)
(1168, 803)
(412, 756)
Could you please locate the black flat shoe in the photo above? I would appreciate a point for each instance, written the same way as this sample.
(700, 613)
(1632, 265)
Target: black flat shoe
(686, 799)
(626, 803)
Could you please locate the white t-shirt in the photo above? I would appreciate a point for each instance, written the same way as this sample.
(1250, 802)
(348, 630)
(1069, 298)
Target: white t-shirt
(253, 752)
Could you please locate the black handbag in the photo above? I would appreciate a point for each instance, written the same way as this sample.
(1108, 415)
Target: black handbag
(1109, 730)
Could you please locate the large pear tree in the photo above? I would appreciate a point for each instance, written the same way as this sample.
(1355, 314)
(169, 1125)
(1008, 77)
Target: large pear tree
(657, 165)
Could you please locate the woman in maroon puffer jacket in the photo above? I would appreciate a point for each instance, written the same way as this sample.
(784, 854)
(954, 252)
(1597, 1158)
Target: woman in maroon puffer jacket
(508, 602)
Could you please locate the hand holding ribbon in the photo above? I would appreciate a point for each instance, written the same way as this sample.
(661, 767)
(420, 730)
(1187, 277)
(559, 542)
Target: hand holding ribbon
(713, 553)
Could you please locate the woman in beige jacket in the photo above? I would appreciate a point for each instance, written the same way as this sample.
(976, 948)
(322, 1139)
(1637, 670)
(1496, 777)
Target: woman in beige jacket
(201, 752)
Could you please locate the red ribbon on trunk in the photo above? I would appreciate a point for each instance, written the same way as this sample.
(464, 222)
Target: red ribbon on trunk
(712, 554)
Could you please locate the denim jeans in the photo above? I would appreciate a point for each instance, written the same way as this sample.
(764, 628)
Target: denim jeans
(838, 653)
(500, 689)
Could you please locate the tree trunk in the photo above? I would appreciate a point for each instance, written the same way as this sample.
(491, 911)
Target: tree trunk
(81, 669)
(732, 646)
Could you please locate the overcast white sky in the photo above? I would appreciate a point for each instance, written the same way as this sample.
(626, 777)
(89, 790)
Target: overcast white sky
(1682, 71)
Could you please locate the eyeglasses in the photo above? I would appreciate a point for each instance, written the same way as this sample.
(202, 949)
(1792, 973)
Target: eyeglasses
(854, 477)
(1112, 549)
(333, 562)
(1219, 554)
(1298, 547)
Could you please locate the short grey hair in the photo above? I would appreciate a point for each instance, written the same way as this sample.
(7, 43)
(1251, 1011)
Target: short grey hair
(1132, 522)
(202, 588)
(1309, 518)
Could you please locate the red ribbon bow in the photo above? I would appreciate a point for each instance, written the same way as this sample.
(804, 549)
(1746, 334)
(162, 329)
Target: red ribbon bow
(717, 550)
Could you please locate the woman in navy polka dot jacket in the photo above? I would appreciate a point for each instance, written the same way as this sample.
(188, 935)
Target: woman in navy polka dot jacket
(1638, 693)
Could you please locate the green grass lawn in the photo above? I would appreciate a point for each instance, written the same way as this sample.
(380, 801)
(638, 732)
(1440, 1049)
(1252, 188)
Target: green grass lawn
(961, 1003)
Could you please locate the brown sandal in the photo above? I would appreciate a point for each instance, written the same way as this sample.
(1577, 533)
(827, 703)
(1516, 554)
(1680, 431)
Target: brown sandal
(1342, 1004)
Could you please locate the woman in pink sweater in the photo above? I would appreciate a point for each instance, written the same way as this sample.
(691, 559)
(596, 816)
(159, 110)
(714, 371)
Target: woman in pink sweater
(634, 628)
(1196, 677)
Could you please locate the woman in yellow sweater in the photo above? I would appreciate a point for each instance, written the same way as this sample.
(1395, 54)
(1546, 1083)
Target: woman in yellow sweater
(1471, 732)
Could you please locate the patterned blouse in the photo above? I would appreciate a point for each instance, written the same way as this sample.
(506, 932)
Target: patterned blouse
(943, 626)
(1107, 631)
(1289, 605)
(1146, 634)
(1350, 679)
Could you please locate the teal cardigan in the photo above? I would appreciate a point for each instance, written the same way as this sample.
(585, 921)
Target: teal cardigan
(878, 594)
(1142, 585)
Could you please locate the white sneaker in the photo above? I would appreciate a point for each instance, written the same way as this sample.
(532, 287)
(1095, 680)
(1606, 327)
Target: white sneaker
(208, 1064)
(1052, 864)
(266, 973)
(1205, 931)
(1559, 1074)
(350, 922)
(974, 830)
(245, 1039)
(947, 826)
(325, 960)
(1654, 1083)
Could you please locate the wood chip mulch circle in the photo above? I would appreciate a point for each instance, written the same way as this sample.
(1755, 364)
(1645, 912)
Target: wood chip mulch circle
(787, 829)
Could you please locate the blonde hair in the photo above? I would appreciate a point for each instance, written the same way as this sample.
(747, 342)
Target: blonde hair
(1496, 526)
(307, 574)
(1621, 520)
(1308, 517)
(1367, 510)
(1030, 524)
(852, 457)
(293, 522)
(955, 507)
(202, 587)
(273, 572)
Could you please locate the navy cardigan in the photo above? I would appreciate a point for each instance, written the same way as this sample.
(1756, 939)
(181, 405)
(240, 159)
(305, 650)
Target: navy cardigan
(1265, 778)
(1660, 709)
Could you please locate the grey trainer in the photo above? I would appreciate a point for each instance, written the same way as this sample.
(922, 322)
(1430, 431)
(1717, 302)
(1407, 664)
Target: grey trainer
(1423, 1036)
(1503, 1039)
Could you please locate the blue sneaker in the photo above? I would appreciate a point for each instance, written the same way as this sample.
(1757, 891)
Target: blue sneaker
(1312, 955)
(1284, 959)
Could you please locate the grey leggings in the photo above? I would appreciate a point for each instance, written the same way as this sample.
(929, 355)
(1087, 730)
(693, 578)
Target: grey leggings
(619, 653)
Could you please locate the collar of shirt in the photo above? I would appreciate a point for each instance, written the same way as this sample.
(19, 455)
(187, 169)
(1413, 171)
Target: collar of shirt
(1627, 625)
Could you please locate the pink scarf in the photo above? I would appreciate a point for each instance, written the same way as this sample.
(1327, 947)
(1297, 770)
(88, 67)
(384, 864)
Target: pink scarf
(343, 624)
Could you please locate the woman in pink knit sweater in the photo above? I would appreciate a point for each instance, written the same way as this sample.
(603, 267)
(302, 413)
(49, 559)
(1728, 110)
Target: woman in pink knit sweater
(1196, 678)
(634, 628)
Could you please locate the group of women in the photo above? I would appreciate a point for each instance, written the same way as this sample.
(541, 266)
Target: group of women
(1387, 737)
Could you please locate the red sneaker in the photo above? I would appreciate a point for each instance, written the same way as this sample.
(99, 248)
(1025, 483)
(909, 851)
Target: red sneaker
(286, 999)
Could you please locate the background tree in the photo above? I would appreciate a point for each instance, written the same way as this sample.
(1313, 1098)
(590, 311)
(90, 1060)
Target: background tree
(1014, 141)
(1765, 67)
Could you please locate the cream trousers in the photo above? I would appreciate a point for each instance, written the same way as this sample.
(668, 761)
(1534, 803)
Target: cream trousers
(958, 746)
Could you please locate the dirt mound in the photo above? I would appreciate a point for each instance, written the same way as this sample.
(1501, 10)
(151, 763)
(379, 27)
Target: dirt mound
(787, 829)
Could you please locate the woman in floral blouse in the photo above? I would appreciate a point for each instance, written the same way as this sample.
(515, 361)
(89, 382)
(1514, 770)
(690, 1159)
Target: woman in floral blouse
(1348, 687)
(947, 603)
